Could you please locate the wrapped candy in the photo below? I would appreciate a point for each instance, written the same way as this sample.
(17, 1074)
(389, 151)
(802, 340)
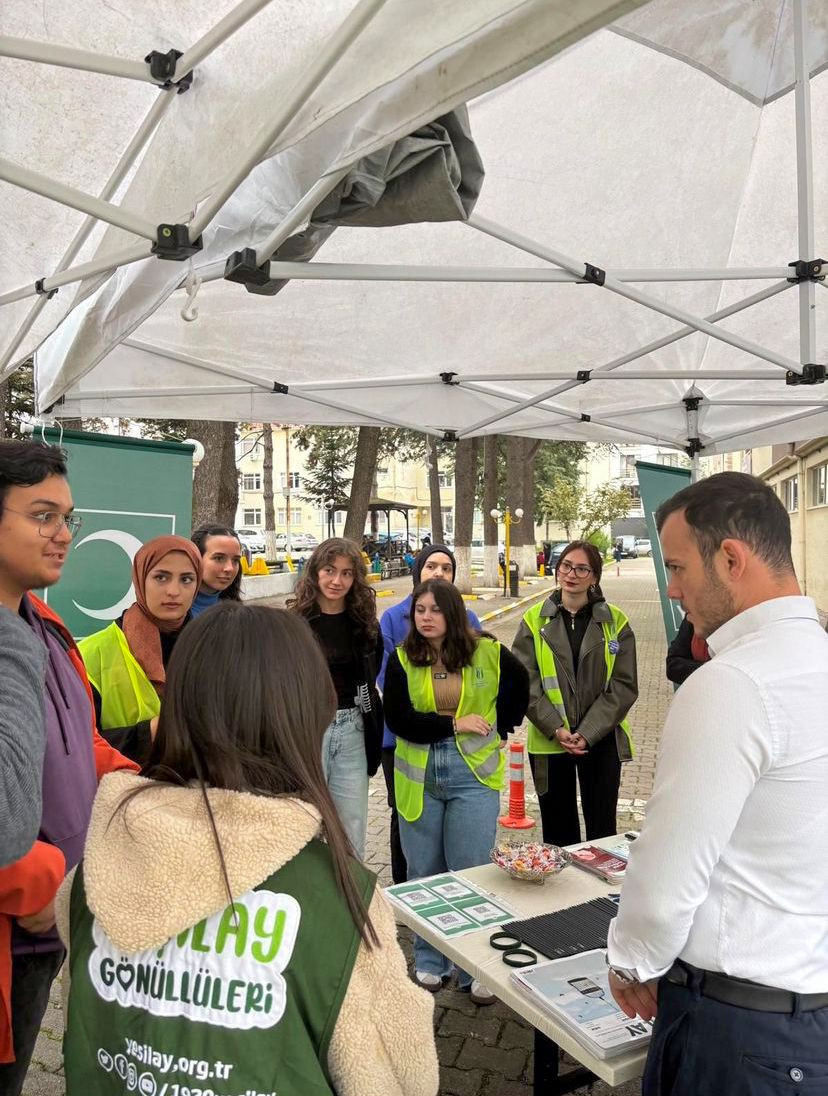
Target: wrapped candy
(532, 861)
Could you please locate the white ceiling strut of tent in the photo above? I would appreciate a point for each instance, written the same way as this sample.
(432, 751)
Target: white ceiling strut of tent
(679, 199)
(103, 151)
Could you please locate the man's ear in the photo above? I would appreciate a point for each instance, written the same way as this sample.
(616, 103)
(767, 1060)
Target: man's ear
(735, 555)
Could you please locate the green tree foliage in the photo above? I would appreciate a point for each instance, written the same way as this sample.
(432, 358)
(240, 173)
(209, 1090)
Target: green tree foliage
(16, 402)
(587, 512)
(329, 462)
(556, 461)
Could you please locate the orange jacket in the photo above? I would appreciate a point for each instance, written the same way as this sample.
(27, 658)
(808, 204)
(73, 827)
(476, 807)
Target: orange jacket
(29, 884)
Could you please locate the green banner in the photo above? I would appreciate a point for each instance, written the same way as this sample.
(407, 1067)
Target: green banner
(656, 484)
(127, 491)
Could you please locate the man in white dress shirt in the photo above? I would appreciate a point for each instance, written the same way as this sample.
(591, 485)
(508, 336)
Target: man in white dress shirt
(724, 914)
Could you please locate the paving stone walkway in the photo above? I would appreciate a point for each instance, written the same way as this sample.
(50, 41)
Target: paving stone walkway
(484, 1051)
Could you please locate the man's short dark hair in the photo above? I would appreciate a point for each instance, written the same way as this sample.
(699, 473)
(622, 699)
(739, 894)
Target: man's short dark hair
(25, 463)
(733, 505)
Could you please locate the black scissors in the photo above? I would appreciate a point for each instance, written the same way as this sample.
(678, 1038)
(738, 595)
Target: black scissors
(514, 953)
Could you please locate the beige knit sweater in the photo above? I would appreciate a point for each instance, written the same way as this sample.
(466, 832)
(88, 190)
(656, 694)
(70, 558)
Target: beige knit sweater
(158, 874)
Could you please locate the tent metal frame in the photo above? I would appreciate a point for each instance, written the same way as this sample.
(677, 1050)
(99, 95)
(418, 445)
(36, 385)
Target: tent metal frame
(562, 268)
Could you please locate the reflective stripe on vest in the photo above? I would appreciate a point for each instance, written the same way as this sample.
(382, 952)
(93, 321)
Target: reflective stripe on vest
(127, 694)
(536, 741)
(478, 696)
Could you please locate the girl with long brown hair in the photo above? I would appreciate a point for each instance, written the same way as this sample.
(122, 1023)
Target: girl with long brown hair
(232, 927)
(334, 597)
(451, 696)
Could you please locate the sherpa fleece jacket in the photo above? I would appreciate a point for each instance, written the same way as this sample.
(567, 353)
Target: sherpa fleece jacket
(158, 875)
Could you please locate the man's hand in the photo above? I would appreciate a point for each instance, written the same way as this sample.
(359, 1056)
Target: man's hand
(637, 999)
(571, 741)
(40, 922)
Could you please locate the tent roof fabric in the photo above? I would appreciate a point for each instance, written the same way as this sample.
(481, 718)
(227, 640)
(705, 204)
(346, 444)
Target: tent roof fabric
(661, 151)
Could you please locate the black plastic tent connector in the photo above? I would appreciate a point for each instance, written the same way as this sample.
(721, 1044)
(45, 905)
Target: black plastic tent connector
(280, 389)
(583, 375)
(691, 403)
(693, 447)
(448, 378)
(41, 291)
(162, 69)
(811, 374)
(586, 418)
(449, 435)
(807, 270)
(594, 274)
(173, 242)
(241, 267)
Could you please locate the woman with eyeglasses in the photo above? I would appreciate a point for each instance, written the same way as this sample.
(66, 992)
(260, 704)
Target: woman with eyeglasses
(580, 654)
(126, 662)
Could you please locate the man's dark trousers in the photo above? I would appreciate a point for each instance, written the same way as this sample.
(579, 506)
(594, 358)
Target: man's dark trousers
(32, 977)
(702, 1047)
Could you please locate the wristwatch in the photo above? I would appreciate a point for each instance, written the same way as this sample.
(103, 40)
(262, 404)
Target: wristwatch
(624, 975)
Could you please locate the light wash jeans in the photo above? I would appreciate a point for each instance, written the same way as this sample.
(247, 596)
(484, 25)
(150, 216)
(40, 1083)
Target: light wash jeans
(346, 771)
(456, 830)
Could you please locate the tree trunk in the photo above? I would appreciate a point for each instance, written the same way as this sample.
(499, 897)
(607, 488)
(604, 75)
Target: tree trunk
(434, 492)
(530, 558)
(4, 403)
(465, 469)
(491, 575)
(267, 492)
(365, 467)
(514, 497)
(216, 481)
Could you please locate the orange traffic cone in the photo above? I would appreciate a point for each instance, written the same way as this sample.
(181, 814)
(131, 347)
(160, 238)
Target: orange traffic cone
(517, 818)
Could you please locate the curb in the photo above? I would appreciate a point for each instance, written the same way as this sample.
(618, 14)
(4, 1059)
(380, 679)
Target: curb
(516, 604)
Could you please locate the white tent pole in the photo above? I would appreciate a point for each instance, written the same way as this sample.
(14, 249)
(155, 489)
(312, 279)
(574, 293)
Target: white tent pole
(140, 393)
(142, 135)
(261, 383)
(627, 375)
(381, 418)
(218, 34)
(765, 426)
(604, 371)
(112, 261)
(298, 215)
(611, 283)
(76, 199)
(383, 272)
(804, 181)
(623, 429)
(317, 70)
(49, 53)
(694, 468)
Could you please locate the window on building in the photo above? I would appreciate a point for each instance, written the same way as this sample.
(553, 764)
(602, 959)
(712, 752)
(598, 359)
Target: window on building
(635, 492)
(252, 481)
(294, 481)
(448, 519)
(339, 517)
(446, 479)
(382, 470)
(295, 515)
(790, 493)
(252, 516)
(819, 485)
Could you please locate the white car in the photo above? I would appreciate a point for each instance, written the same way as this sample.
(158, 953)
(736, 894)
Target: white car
(642, 548)
(252, 539)
(477, 552)
(303, 540)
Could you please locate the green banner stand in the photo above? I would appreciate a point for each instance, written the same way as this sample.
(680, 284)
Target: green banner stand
(656, 484)
(127, 491)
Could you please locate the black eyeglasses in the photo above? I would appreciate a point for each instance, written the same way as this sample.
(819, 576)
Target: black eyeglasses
(50, 522)
(579, 569)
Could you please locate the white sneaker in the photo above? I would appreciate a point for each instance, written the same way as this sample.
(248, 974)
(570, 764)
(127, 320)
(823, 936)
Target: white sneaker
(431, 982)
(480, 995)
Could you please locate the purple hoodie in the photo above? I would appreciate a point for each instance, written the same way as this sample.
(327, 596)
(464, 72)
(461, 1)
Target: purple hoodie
(69, 778)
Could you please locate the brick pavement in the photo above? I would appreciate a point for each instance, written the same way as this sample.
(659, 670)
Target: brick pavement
(488, 1051)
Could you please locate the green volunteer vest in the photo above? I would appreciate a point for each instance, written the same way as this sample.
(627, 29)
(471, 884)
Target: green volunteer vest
(244, 1002)
(127, 694)
(536, 741)
(478, 696)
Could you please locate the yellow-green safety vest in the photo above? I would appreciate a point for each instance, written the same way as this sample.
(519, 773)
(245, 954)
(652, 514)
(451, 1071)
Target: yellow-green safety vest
(478, 696)
(536, 740)
(127, 694)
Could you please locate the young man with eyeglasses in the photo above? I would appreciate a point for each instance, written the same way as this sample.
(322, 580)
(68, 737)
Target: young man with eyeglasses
(36, 528)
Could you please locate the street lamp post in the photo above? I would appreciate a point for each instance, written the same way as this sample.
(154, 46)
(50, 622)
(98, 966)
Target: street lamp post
(508, 521)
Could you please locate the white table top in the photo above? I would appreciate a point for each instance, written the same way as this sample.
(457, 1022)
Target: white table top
(475, 955)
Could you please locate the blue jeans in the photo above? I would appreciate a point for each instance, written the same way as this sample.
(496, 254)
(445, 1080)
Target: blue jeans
(346, 771)
(456, 830)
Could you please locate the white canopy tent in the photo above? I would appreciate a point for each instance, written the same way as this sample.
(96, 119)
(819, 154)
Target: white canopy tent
(680, 200)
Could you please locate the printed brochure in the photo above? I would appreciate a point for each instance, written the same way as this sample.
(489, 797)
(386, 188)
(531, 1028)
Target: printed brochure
(449, 904)
(575, 992)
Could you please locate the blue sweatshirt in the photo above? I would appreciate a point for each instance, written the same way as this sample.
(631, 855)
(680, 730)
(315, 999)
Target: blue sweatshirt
(394, 625)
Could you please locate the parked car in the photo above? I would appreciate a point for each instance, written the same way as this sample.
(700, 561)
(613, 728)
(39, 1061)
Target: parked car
(303, 540)
(252, 539)
(554, 555)
(627, 546)
(477, 552)
(642, 548)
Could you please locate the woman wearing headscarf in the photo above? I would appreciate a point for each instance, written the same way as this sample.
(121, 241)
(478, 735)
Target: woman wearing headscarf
(126, 662)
